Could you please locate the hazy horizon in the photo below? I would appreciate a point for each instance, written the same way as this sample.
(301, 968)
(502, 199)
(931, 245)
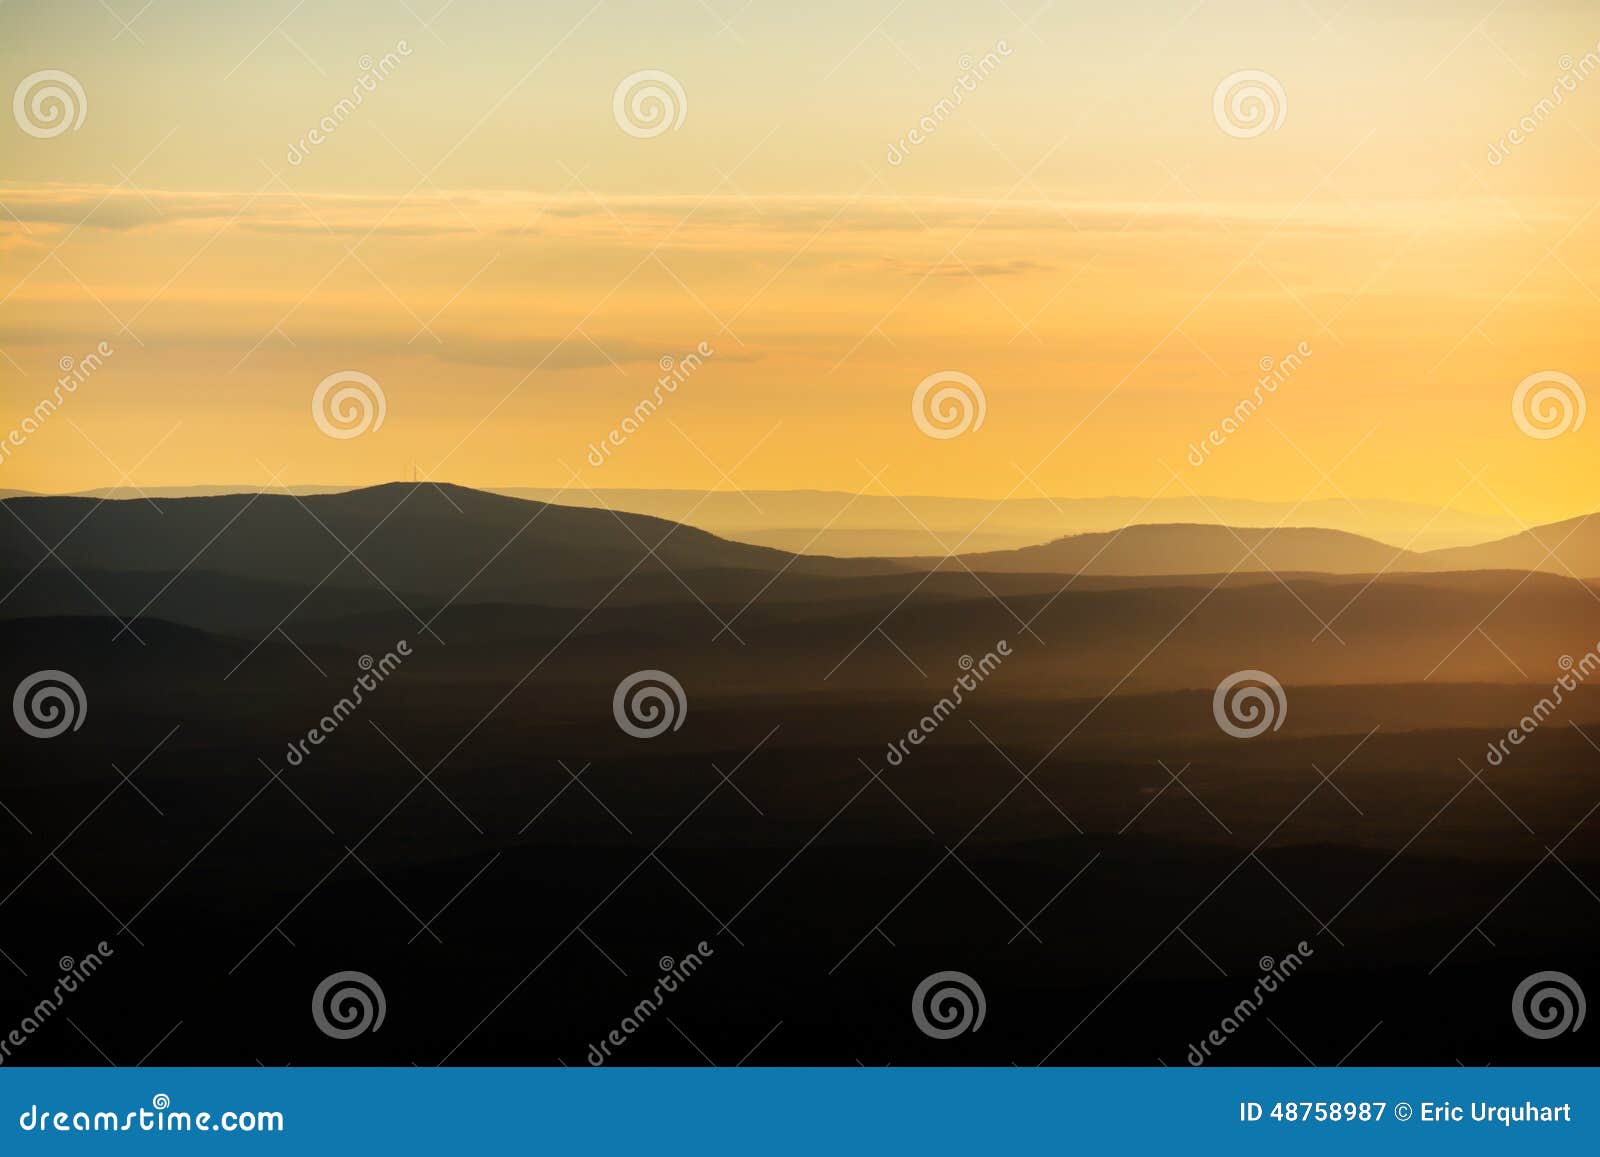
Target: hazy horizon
(487, 236)
(813, 521)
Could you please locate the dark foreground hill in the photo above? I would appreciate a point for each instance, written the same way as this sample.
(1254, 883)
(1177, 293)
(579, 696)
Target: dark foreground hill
(422, 538)
(479, 833)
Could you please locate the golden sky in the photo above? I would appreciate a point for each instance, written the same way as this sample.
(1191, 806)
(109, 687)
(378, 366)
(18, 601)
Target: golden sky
(1081, 235)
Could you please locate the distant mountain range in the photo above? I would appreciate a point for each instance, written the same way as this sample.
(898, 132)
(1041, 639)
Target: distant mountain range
(500, 581)
(440, 541)
(840, 523)
(1570, 548)
(843, 524)
(1189, 549)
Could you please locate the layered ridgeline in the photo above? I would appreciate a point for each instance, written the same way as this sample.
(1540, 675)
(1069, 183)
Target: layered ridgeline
(497, 581)
(831, 522)
(1112, 536)
(840, 523)
(458, 656)
(1570, 548)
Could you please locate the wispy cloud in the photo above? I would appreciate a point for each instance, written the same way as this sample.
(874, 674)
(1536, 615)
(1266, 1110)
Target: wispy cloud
(764, 219)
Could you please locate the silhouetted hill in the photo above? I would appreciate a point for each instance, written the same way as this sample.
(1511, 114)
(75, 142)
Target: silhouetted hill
(1571, 547)
(1051, 832)
(836, 522)
(1193, 549)
(425, 539)
(833, 522)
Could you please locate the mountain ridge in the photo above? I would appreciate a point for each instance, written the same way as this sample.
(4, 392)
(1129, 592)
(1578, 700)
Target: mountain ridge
(436, 539)
(841, 523)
